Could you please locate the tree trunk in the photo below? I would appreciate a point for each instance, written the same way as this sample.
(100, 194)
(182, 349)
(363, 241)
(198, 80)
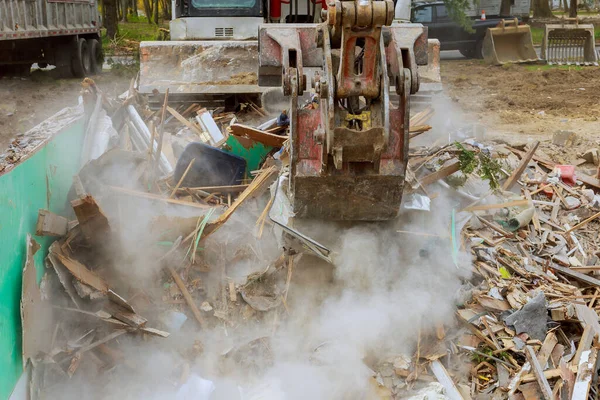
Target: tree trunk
(541, 9)
(148, 10)
(166, 5)
(124, 9)
(573, 9)
(156, 11)
(135, 9)
(566, 6)
(110, 20)
(119, 9)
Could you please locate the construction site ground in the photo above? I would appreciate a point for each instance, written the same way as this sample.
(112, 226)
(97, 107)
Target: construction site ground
(532, 100)
(514, 101)
(28, 101)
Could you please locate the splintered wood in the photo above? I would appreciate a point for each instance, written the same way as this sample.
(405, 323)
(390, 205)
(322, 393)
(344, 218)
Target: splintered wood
(535, 294)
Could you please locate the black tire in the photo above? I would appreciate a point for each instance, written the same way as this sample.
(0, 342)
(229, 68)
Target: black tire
(96, 56)
(478, 49)
(80, 59)
(468, 53)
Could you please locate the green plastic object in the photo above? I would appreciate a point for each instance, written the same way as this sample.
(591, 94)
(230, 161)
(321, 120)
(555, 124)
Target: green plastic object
(254, 155)
(41, 181)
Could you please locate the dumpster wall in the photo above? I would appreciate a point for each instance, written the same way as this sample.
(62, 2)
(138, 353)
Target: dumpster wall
(43, 180)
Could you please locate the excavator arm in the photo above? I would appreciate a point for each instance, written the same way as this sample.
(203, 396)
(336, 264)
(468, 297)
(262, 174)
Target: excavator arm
(349, 156)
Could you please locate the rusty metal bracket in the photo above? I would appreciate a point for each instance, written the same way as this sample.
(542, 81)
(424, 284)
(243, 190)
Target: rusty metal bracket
(405, 38)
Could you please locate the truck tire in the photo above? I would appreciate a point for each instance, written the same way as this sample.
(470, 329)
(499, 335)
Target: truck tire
(479, 49)
(468, 53)
(80, 59)
(96, 56)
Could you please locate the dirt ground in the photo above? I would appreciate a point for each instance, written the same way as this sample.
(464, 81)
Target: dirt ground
(520, 103)
(28, 101)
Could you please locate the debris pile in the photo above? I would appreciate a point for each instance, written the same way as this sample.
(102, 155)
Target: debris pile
(528, 318)
(142, 264)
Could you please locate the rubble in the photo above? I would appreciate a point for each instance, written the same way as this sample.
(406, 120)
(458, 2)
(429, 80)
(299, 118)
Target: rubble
(526, 323)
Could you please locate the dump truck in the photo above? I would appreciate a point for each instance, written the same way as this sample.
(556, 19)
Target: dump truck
(65, 34)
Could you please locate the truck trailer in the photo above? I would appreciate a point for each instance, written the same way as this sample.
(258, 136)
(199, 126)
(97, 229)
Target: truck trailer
(63, 33)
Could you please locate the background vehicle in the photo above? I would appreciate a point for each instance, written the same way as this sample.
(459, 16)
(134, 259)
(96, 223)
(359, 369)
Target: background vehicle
(61, 33)
(453, 36)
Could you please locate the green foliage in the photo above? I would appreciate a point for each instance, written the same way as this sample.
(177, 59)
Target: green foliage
(480, 163)
(456, 11)
(479, 358)
(467, 159)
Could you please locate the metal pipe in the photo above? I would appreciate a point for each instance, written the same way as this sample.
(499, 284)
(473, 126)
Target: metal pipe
(275, 9)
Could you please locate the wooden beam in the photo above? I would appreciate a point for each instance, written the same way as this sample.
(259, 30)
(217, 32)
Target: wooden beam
(512, 179)
(485, 207)
(585, 373)
(579, 225)
(195, 128)
(50, 224)
(156, 197)
(577, 275)
(257, 135)
(539, 373)
(187, 296)
(445, 380)
(440, 174)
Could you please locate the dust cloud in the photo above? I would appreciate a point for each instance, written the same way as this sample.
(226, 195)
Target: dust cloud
(390, 284)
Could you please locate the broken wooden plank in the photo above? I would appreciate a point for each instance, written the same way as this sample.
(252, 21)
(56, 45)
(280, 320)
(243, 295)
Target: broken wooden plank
(64, 276)
(193, 127)
(548, 374)
(485, 207)
(35, 315)
(512, 179)
(445, 380)
(516, 380)
(155, 332)
(440, 173)
(115, 298)
(257, 135)
(585, 373)
(156, 197)
(585, 343)
(92, 221)
(577, 275)
(50, 224)
(124, 315)
(256, 186)
(82, 273)
(538, 372)
(549, 342)
(585, 222)
(187, 296)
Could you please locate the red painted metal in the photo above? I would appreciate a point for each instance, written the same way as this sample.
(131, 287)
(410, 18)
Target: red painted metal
(275, 9)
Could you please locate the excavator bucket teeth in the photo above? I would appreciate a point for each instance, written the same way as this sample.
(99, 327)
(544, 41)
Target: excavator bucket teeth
(509, 44)
(569, 44)
(206, 68)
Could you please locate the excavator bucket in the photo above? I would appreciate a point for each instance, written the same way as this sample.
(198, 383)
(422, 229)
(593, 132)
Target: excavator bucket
(213, 70)
(509, 42)
(569, 44)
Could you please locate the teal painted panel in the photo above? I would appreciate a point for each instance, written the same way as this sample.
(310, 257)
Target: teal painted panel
(254, 156)
(42, 181)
